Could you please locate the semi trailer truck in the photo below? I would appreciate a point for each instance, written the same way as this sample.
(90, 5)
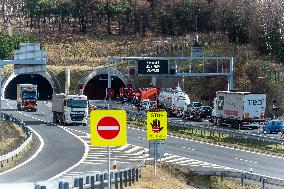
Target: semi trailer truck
(27, 97)
(69, 109)
(239, 109)
(174, 100)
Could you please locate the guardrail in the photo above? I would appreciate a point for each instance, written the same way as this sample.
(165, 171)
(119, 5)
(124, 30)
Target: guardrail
(27, 140)
(204, 127)
(249, 176)
(94, 180)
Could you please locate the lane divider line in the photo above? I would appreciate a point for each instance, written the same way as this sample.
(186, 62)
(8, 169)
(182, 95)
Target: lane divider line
(33, 156)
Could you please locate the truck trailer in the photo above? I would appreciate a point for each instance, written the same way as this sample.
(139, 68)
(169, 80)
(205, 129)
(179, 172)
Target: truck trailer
(27, 97)
(174, 101)
(69, 109)
(239, 109)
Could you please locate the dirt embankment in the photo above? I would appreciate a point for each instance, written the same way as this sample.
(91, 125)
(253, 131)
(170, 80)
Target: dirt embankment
(11, 136)
(175, 177)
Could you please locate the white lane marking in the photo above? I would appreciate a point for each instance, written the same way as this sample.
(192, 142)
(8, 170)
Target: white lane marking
(135, 148)
(66, 129)
(31, 158)
(245, 160)
(80, 161)
(92, 163)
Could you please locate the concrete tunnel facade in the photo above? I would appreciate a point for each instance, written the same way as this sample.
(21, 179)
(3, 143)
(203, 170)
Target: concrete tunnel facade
(94, 84)
(47, 84)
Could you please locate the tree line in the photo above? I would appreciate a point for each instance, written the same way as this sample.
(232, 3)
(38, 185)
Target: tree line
(244, 21)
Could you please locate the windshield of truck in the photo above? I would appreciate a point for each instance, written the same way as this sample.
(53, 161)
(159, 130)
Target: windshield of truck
(77, 103)
(29, 95)
(197, 104)
(207, 108)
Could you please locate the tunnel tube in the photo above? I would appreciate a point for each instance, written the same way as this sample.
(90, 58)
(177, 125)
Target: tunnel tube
(94, 83)
(95, 88)
(45, 89)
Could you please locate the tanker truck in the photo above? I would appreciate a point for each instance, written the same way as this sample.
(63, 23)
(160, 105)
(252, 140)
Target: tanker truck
(174, 101)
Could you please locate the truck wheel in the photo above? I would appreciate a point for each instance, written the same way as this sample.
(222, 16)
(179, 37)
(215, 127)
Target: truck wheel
(54, 119)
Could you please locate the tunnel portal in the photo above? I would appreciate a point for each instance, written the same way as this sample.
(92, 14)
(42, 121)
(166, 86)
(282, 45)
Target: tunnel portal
(95, 89)
(44, 87)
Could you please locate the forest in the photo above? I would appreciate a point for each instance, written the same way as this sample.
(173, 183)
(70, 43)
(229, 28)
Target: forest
(259, 22)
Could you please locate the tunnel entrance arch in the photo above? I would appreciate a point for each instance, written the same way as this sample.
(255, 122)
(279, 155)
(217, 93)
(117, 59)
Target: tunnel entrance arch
(47, 84)
(95, 83)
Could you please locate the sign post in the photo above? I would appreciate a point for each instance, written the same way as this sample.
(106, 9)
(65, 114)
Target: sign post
(108, 128)
(157, 123)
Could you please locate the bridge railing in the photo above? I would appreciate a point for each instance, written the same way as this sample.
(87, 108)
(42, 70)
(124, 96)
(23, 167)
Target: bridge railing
(10, 155)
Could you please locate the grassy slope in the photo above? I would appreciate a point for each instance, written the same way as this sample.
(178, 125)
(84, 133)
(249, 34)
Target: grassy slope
(11, 136)
(92, 52)
(176, 178)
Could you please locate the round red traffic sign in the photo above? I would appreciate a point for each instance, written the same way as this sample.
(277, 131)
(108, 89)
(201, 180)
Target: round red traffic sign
(108, 128)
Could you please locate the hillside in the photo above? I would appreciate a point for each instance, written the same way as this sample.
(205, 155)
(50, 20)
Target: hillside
(86, 32)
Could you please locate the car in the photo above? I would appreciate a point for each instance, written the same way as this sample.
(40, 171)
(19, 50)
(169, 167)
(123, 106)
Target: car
(273, 126)
(196, 105)
(205, 112)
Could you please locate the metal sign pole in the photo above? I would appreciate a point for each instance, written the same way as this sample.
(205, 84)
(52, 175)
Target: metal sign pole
(0, 92)
(109, 179)
(155, 158)
(109, 101)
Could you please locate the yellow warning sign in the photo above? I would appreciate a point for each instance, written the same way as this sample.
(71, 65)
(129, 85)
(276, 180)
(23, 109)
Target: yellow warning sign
(108, 127)
(157, 123)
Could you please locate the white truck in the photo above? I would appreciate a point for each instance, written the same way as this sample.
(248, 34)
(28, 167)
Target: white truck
(174, 100)
(27, 97)
(70, 109)
(239, 109)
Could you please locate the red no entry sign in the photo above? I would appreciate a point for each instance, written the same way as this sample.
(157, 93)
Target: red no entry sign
(108, 128)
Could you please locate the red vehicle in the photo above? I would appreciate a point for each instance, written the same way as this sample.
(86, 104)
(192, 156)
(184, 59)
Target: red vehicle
(126, 94)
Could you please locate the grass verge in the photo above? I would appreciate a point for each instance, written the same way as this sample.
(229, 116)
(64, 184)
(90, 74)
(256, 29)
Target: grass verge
(220, 138)
(176, 177)
(11, 137)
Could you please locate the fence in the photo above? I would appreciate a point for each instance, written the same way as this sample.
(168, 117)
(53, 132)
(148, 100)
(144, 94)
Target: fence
(27, 140)
(236, 133)
(96, 180)
(249, 176)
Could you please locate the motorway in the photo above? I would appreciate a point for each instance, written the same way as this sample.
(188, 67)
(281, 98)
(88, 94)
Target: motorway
(63, 153)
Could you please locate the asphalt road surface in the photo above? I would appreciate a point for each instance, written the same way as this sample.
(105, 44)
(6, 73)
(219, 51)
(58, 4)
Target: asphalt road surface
(62, 150)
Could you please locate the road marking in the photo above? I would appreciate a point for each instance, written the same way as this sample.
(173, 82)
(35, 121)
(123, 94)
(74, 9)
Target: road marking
(245, 160)
(33, 156)
(65, 129)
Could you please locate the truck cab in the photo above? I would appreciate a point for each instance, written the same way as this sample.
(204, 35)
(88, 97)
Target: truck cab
(27, 97)
(70, 109)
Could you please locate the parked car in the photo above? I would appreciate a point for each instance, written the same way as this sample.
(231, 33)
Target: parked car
(205, 112)
(273, 126)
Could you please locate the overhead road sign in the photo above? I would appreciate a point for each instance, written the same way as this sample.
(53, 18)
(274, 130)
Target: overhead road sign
(108, 127)
(196, 66)
(157, 123)
(153, 66)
